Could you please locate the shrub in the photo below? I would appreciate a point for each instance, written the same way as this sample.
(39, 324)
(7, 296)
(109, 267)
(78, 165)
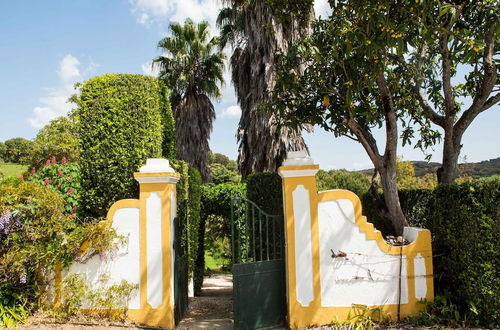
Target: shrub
(356, 182)
(120, 125)
(466, 231)
(194, 213)
(265, 190)
(17, 150)
(58, 139)
(36, 235)
(464, 220)
(62, 178)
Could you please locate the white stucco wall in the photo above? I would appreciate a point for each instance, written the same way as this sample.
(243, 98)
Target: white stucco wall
(122, 264)
(367, 275)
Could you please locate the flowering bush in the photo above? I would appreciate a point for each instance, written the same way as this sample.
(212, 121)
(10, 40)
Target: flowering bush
(36, 233)
(63, 178)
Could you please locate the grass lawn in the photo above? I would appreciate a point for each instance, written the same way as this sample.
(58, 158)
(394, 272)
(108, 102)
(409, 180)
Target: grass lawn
(214, 264)
(9, 169)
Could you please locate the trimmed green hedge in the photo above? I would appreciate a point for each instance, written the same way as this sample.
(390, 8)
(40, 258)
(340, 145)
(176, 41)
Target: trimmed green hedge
(120, 125)
(464, 220)
(265, 190)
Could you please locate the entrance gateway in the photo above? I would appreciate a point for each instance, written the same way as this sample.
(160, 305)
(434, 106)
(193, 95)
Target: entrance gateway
(258, 266)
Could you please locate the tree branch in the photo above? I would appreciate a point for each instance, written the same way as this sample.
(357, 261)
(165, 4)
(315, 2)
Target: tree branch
(481, 101)
(366, 139)
(449, 99)
(418, 92)
(490, 72)
(391, 128)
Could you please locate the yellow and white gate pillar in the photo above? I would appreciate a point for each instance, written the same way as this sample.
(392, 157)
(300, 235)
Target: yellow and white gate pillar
(146, 260)
(157, 204)
(337, 261)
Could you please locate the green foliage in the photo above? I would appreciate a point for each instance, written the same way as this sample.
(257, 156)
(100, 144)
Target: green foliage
(167, 116)
(110, 300)
(192, 67)
(36, 235)
(222, 169)
(443, 311)
(18, 150)
(120, 125)
(3, 150)
(361, 317)
(12, 170)
(265, 190)
(215, 221)
(63, 178)
(341, 179)
(11, 316)
(194, 214)
(58, 139)
(466, 230)
(464, 220)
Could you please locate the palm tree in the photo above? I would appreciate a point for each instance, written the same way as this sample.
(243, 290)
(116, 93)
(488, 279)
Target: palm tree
(192, 66)
(257, 36)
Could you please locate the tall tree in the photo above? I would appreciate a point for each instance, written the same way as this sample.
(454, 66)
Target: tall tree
(257, 35)
(192, 66)
(364, 67)
(453, 67)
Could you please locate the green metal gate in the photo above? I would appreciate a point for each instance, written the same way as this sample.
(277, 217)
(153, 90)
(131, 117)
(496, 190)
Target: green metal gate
(258, 266)
(180, 265)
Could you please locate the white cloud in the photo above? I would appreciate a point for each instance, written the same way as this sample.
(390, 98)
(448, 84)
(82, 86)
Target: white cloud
(149, 11)
(149, 70)
(55, 104)
(233, 111)
(322, 8)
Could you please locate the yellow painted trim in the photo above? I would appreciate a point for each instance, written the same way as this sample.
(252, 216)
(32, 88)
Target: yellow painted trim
(145, 175)
(315, 314)
(298, 168)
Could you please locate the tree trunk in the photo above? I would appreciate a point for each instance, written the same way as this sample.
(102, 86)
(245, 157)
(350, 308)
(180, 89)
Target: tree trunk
(391, 211)
(447, 173)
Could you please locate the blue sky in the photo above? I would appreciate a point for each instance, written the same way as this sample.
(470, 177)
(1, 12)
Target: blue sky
(47, 46)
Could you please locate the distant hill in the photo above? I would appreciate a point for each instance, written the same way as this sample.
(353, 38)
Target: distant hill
(481, 169)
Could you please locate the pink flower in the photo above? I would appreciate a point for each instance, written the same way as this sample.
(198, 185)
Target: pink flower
(47, 163)
(47, 181)
(63, 161)
(70, 191)
(60, 172)
(71, 216)
(33, 171)
(21, 177)
(53, 160)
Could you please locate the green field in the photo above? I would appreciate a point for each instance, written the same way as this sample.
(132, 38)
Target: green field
(8, 169)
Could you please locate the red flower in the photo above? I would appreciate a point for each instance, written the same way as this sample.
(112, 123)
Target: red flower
(70, 191)
(71, 216)
(53, 160)
(47, 181)
(33, 171)
(47, 163)
(63, 161)
(60, 172)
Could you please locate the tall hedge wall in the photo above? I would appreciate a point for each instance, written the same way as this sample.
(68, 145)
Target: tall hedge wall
(464, 220)
(264, 189)
(120, 125)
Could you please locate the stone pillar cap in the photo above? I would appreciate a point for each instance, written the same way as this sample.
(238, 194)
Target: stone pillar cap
(156, 165)
(298, 158)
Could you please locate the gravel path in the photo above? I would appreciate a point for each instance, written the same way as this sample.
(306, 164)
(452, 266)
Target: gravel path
(213, 309)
